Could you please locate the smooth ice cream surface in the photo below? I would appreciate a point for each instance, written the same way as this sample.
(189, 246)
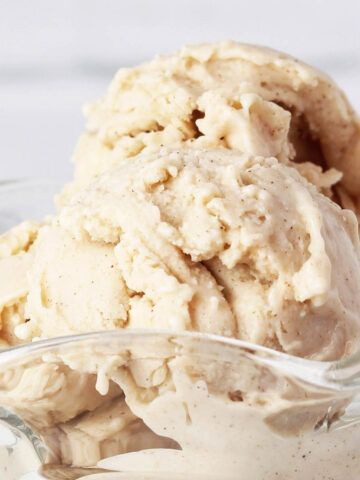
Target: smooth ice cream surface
(214, 241)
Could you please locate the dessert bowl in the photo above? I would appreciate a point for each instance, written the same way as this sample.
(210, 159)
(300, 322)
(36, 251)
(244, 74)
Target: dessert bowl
(146, 404)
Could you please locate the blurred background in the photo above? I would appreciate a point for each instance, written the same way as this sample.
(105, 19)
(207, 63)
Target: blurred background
(55, 56)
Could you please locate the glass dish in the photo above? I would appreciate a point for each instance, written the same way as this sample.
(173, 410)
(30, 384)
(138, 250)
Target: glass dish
(166, 405)
(26, 200)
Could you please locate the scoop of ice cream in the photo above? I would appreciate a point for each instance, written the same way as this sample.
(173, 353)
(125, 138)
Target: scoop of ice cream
(224, 95)
(214, 241)
(16, 257)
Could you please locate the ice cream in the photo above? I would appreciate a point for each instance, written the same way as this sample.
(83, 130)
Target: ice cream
(15, 261)
(208, 197)
(177, 239)
(224, 95)
(209, 397)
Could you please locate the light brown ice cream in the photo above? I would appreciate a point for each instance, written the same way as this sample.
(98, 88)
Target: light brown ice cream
(213, 241)
(210, 397)
(16, 255)
(224, 95)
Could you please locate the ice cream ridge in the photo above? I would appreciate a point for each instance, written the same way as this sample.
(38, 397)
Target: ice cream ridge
(215, 190)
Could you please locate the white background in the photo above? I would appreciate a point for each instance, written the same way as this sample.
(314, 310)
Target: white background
(56, 55)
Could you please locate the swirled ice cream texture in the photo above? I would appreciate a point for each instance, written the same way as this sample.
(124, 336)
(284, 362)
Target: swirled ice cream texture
(225, 95)
(213, 241)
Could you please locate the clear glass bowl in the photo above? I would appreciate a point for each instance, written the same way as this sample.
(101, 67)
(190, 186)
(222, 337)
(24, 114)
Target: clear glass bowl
(165, 405)
(26, 200)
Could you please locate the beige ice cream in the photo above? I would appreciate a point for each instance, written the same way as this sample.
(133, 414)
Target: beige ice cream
(178, 239)
(16, 255)
(208, 396)
(224, 95)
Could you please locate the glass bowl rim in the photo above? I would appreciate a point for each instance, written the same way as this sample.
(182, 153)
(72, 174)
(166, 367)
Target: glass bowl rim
(337, 376)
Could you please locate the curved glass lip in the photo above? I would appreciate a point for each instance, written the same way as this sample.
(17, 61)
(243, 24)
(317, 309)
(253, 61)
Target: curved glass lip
(30, 182)
(339, 375)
